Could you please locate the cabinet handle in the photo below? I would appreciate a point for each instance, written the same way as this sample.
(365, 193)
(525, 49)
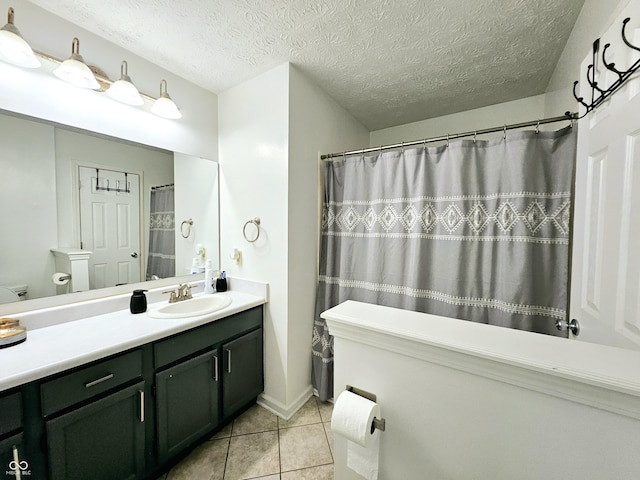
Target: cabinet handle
(15, 465)
(215, 368)
(141, 394)
(100, 380)
(228, 361)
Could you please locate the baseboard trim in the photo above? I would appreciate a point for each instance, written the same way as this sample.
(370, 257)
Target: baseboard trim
(283, 411)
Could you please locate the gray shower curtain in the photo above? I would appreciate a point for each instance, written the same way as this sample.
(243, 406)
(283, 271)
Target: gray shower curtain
(474, 230)
(162, 251)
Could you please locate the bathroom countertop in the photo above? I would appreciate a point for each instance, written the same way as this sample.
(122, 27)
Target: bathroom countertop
(62, 346)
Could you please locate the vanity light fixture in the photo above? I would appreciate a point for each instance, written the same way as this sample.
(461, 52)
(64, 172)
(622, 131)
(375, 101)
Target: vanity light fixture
(75, 71)
(14, 48)
(124, 90)
(164, 106)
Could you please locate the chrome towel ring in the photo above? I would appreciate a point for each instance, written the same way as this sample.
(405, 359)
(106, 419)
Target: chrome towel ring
(188, 224)
(256, 223)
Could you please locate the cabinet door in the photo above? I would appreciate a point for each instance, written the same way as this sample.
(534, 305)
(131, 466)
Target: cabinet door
(242, 377)
(186, 403)
(102, 440)
(12, 457)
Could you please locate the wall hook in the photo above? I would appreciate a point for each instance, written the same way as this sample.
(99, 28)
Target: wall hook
(611, 66)
(624, 35)
(598, 93)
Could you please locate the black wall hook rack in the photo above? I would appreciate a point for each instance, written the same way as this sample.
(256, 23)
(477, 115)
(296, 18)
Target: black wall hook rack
(108, 188)
(600, 93)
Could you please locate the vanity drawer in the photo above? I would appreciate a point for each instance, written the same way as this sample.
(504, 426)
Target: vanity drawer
(89, 381)
(200, 338)
(10, 413)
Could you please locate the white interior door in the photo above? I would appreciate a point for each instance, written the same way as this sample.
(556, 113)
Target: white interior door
(605, 292)
(110, 225)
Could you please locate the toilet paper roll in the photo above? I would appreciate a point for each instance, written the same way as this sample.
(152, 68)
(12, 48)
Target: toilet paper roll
(60, 278)
(352, 418)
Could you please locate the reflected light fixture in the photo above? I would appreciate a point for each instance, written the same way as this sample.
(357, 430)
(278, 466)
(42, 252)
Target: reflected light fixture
(124, 90)
(14, 48)
(164, 106)
(75, 71)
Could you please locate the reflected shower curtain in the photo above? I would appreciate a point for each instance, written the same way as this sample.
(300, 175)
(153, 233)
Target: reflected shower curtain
(162, 251)
(474, 230)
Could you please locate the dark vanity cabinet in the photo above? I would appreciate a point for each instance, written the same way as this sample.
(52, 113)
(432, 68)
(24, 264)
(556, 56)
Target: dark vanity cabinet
(91, 435)
(204, 377)
(187, 403)
(129, 415)
(12, 455)
(242, 378)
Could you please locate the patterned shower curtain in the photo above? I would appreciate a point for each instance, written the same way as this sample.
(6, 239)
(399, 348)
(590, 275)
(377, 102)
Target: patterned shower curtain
(476, 230)
(162, 251)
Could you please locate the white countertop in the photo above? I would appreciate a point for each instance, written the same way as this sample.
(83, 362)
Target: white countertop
(55, 348)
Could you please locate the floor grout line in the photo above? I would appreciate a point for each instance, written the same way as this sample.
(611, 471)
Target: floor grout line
(226, 458)
(278, 429)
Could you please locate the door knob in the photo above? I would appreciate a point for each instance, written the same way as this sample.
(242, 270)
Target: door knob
(134, 255)
(573, 326)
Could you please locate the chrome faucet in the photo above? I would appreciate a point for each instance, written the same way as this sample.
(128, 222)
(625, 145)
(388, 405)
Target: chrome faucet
(183, 293)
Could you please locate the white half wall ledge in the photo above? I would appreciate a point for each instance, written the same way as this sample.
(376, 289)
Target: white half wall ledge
(595, 375)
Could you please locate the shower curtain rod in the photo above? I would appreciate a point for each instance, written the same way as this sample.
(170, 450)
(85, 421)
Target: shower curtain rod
(567, 116)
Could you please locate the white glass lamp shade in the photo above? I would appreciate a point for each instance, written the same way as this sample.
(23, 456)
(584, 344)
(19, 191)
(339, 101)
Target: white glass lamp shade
(165, 107)
(123, 90)
(75, 71)
(13, 48)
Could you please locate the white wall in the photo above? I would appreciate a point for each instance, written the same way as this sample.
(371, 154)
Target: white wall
(317, 124)
(517, 111)
(196, 198)
(254, 138)
(39, 94)
(593, 20)
(27, 205)
(468, 401)
(272, 129)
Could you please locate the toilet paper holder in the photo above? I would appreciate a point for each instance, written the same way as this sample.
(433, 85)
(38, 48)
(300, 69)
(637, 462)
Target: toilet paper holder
(379, 423)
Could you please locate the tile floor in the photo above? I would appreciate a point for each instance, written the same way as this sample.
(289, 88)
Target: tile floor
(259, 445)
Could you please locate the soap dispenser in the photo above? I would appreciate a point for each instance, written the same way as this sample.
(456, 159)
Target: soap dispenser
(138, 302)
(208, 277)
(221, 282)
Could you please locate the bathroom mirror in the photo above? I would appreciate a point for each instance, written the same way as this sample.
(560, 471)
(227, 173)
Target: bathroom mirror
(44, 208)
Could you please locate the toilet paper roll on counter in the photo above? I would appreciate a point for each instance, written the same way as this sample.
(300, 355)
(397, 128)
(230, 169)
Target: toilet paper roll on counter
(352, 418)
(60, 278)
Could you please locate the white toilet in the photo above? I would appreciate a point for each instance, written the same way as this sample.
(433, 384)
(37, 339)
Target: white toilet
(13, 293)
(7, 295)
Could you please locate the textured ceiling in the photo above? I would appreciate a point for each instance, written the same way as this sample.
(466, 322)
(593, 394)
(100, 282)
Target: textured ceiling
(386, 62)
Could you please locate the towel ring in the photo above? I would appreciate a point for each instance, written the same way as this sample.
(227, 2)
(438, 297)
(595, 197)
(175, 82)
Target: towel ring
(189, 224)
(256, 222)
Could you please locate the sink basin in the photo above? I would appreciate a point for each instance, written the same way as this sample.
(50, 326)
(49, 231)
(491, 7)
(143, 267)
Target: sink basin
(193, 307)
